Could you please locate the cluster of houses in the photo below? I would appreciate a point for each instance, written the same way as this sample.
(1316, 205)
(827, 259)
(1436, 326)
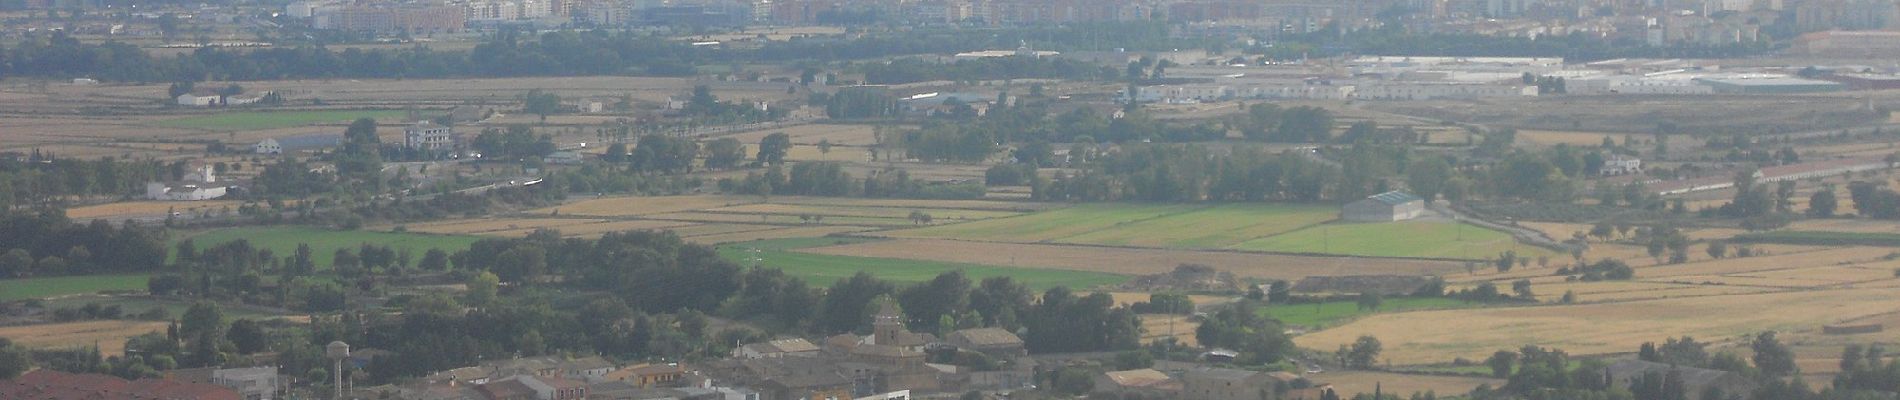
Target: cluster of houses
(256, 383)
(888, 363)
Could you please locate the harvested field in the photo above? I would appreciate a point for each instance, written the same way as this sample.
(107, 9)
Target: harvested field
(811, 134)
(936, 214)
(488, 225)
(110, 336)
(1049, 226)
(1785, 260)
(777, 219)
(114, 211)
(1845, 225)
(785, 233)
(1686, 291)
(1019, 206)
(1180, 327)
(1132, 261)
(633, 206)
(1843, 274)
(720, 229)
(1426, 239)
(800, 152)
(255, 120)
(1557, 230)
(1586, 329)
(1349, 383)
(1573, 138)
(597, 229)
(1215, 227)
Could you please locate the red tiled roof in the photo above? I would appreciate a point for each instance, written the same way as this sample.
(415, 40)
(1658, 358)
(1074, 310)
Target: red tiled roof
(51, 385)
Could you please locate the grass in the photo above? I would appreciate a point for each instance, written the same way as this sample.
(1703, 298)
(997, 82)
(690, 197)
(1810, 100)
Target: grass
(1334, 312)
(1414, 239)
(37, 288)
(283, 241)
(1826, 238)
(824, 269)
(258, 120)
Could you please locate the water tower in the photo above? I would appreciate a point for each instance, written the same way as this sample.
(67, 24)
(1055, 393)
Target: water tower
(337, 351)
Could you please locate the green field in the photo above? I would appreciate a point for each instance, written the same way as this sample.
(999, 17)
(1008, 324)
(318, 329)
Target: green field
(1183, 226)
(1212, 227)
(1419, 239)
(822, 270)
(257, 120)
(283, 241)
(35, 288)
(1332, 313)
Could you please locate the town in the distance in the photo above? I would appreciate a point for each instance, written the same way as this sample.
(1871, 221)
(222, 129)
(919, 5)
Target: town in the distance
(949, 199)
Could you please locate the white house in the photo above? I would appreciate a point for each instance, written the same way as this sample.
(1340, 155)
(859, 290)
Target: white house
(428, 136)
(193, 100)
(296, 143)
(199, 184)
(1618, 164)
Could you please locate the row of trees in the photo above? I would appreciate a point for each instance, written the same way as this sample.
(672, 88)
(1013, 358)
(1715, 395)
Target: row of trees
(46, 243)
(830, 179)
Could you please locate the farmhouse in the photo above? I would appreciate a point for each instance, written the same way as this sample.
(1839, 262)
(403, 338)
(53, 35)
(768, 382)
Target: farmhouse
(1697, 380)
(1385, 207)
(428, 136)
(199, 184)
(1618, 164)
(1139, 381)
(776, 348)
(296, 143)
(995, 342)
(193, 100)
(1224, 384)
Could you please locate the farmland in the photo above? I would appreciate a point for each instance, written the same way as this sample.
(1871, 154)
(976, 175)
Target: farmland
(1584, 329)
(1425, 239)
(821, 269)
(35, 288)
(1328, 313)
(323, 243)
(129, 209)
(108, 335)
(1140, 225)
(257, 120)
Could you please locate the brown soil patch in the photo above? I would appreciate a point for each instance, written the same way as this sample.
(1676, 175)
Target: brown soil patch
(110, 336)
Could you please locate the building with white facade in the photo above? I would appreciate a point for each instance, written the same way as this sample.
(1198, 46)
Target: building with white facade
(1618, 164)
(1438, 90)
(199, 184)
(428, 136)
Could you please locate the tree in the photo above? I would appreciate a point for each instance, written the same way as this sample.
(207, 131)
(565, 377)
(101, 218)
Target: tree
(1501, 363)
(773, 147)
(1364, 353)
(247, 335)
(13, 360)
(1718, 249)
(1522, 288)
(724, 153)
(434, 260)
(1427, 177)
(1772, 357)
(481, 288)
(203, 318)
(1823, 204)
(824, 146)
(16, 262)
(541, 103)
(1370, 301)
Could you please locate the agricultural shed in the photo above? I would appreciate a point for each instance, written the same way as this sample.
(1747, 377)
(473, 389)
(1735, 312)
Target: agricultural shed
(1385, 207)
(1697, 380)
